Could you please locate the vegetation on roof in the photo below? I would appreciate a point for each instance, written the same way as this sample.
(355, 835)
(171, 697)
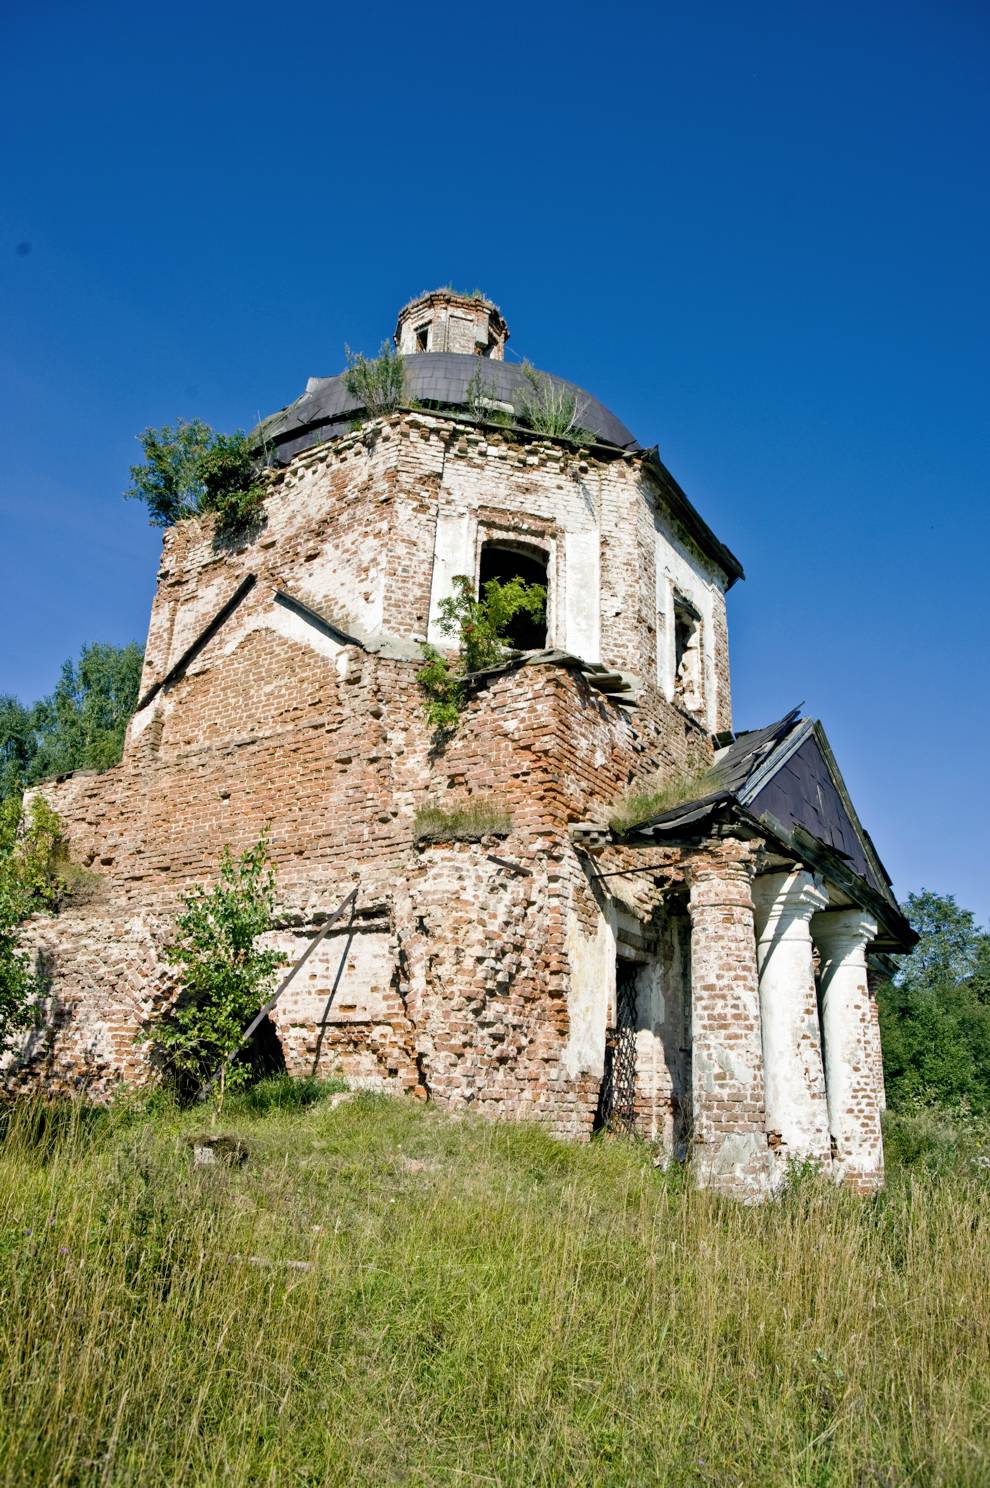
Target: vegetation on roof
(377, 383)
(645, 801)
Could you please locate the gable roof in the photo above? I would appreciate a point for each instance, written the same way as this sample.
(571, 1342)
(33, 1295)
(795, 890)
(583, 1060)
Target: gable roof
(785, 781)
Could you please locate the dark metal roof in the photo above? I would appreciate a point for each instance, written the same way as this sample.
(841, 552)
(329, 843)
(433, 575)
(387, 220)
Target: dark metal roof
(785, 779)
(327, 408)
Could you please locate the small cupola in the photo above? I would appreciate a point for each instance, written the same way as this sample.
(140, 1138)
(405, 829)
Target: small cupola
(444, 320)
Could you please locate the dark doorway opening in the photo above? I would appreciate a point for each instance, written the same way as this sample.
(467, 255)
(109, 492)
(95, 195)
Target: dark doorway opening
(617, 1096)
(503, 562)
(264, 1053)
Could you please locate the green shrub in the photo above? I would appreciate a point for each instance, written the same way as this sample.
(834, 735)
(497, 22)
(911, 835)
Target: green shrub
(231, 490)
(479, 626)
(189, 469)
(551, 408)
(377, 384)
(225, 977)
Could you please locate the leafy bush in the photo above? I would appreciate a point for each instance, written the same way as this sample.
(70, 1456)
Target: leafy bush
(18, 983)
(477, 816)
(230, 488)
(377, 384)
(442, 688)
(551, 408)
(190, 469)
(935, 1011)
(646, 801)
(225, 977)
(480, 626)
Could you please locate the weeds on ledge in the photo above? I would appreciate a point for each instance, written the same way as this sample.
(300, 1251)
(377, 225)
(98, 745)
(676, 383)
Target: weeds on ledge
(466, 822)
(645, 801)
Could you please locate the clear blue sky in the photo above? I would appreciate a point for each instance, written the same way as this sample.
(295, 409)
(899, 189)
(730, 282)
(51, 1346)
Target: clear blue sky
(760, 233)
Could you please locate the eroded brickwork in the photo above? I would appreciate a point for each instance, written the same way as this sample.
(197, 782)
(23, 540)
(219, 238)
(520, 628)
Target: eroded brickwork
(482, 974)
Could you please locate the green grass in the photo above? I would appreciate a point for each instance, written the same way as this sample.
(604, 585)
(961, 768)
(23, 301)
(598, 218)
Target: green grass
(479, 1305)
(477, 816)
(648, 801)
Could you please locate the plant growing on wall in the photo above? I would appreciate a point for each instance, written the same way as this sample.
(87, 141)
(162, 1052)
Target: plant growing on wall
(378, 383)
(549, 407)
(483, 401)
(225, 976)
(648, 800)
(189, 469)
(479, 625)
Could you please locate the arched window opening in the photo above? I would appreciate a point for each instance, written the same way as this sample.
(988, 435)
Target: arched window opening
(502, 562)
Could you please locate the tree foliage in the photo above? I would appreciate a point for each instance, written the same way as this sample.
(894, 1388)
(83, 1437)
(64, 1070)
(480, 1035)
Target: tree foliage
(479, 626)
(935, 1012)
(189, 468)
(225, 976)
(80, 725)
(32, 857)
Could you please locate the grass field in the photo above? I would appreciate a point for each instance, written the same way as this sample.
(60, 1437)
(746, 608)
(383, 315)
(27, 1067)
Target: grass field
(478, 1304)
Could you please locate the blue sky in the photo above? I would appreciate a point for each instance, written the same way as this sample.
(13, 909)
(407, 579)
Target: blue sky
(760, 233)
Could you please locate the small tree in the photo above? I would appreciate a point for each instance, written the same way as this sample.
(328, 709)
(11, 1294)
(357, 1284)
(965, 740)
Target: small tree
(378, 384)
(190, 469)
(170, 481)
(480, 626)
(225, 977)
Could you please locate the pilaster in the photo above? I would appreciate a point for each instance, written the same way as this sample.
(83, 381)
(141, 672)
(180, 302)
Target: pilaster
(728, 1126)
(797, 1112)
(854, 1099)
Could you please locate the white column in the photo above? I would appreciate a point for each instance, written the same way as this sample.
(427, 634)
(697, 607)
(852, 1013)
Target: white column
(797, 1114)
(847, 1026)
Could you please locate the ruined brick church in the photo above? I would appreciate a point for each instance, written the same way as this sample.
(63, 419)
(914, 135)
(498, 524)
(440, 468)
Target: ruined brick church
(701, 978)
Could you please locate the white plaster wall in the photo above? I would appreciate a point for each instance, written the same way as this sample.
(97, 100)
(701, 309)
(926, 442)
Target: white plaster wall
(362, 992)
(582, 590)
(590, 994)
(453, 554)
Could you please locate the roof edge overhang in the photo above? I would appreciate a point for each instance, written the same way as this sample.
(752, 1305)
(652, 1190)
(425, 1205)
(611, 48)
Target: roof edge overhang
(723, 812)
(692, 519)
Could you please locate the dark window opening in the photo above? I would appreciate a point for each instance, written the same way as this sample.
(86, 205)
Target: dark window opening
(423, 338)
(504, 563)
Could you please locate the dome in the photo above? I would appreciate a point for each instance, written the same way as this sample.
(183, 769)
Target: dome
(435, 379)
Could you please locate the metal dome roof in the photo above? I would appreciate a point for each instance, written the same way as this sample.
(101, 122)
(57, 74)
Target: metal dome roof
(327, 408)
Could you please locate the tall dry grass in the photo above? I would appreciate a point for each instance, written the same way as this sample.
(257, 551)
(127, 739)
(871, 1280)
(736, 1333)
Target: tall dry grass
(480, 1305)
